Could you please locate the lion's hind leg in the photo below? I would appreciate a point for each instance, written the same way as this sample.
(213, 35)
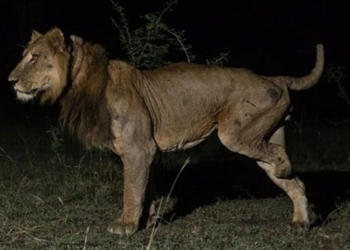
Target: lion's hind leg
(295, 189)
(277, 158)
(274, 160)
(252, 144)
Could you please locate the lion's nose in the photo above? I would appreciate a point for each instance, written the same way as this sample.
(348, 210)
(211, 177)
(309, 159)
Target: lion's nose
(13, 79)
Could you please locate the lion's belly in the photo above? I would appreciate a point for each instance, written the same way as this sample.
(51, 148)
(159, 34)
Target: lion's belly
(181, 140)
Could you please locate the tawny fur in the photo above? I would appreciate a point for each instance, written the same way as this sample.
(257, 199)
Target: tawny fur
(110, 104)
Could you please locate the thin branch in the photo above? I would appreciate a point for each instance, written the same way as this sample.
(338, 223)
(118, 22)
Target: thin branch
(179, 40)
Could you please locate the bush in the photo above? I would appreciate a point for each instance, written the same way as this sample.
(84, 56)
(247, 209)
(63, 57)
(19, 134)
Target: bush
(149, 46)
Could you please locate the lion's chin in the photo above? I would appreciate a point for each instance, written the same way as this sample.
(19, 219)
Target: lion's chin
(26, 96)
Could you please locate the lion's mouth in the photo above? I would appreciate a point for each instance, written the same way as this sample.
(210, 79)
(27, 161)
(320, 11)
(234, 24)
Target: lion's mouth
(29, 94)
(26, 95)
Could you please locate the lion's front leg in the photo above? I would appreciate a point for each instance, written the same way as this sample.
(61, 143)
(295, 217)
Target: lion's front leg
(136, 173)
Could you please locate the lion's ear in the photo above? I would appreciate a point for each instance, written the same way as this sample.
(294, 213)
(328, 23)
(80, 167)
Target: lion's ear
(56, 36)
(77, 41)
(35, 35)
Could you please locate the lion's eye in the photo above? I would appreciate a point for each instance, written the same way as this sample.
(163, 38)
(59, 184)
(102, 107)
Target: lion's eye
(33, 58)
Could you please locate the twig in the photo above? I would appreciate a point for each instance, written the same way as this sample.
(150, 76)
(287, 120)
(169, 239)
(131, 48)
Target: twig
(155, 228)
(7, 156)
(168, 8)
(179, 40)
(86, 237)
(331, 213)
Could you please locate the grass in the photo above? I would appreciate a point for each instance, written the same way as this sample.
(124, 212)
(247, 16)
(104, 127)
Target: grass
(47, 203)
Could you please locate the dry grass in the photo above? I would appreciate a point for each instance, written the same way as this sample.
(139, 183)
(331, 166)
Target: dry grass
(45, 204)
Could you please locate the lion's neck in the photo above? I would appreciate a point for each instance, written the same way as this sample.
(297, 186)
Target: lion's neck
(84, 106)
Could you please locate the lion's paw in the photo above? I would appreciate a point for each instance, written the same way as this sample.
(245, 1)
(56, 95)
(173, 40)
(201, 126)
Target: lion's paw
(301, 226)
(120, 228)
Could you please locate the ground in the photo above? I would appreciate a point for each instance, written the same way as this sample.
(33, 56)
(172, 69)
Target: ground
(55, 196)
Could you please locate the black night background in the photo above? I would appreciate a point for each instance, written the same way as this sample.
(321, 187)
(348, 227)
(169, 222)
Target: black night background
(269, 37)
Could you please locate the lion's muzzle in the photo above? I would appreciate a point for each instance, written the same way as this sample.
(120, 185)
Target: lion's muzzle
(13, 78)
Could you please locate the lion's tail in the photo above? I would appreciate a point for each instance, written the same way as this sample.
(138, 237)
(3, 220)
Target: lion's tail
(305, 82)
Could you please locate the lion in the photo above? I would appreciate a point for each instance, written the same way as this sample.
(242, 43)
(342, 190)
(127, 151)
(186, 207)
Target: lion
(112, 105)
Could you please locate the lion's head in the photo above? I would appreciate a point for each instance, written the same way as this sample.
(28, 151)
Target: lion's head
(43, 68)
